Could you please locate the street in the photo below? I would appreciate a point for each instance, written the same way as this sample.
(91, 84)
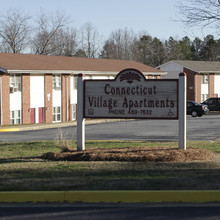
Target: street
(205, 128)
(161, 211)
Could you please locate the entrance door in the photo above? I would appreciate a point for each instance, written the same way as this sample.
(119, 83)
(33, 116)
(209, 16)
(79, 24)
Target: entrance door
(32, 115)
(41, 115)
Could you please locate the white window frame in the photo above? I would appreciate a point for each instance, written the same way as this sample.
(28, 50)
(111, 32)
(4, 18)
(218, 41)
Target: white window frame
(57, 114)
(15, 83)
(204, 97)
(15, 117)
(57, 82)
(205, 78)
(74, 82)
(74, 112)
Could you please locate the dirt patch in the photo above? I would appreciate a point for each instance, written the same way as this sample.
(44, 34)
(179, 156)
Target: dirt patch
(155, 154)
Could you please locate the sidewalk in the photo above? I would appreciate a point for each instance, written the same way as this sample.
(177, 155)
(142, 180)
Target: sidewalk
(28, 127)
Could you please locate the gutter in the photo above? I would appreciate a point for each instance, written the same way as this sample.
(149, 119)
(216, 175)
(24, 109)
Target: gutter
(211, 71)
(1, 100)
(4, 71)
(67, 104)
(76, 72)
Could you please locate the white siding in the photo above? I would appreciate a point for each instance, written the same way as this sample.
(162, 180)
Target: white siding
(100, 77)
(37, 91)
(204, 89)
(36, 94)
(15, 101)
(56, 101)
(217, 85)
(173, 70)
(73, 90)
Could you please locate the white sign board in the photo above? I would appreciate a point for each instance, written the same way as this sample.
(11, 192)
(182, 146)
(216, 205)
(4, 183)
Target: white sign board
(131, 95)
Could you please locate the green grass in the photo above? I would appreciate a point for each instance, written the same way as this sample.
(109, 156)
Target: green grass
(22, 168)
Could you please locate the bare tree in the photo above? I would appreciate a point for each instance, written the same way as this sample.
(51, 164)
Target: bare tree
(203, 13)
(90, 40)
(119, 45)
(47, 28)
(64, 42)
(70, 42)
(14, 31)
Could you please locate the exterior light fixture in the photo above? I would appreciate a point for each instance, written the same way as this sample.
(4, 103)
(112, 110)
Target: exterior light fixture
(48, 97)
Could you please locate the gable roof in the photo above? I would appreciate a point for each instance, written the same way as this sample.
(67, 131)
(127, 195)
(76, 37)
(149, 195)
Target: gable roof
(199, 66)
(28, 63)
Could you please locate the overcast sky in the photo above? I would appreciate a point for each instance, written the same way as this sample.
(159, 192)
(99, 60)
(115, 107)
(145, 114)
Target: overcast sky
(154, 17)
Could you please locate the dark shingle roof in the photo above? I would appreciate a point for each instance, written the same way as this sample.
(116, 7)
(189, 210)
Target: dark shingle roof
(9, 61)
(200, 66)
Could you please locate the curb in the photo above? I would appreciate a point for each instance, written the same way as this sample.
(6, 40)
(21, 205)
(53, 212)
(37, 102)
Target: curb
(188, 196)
(54, 125)
(9, 129)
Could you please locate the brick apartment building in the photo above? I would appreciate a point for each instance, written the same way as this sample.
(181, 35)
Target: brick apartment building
(203, 77)
(42, 89)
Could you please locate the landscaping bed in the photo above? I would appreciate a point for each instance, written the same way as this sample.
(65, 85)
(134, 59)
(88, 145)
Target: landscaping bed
(127, 154)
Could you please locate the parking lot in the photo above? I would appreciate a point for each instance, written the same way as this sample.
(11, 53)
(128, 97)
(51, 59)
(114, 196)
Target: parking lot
(205, 128)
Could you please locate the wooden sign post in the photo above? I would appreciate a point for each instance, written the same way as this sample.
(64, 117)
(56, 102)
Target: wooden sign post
(130, 96)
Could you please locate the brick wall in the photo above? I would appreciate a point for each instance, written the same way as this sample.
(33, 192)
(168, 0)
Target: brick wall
(211, 84)
(5, 100)
(48, 80)
(198, 87)
(66, 98)
(71, 115)
(25, 98)
(191, 85)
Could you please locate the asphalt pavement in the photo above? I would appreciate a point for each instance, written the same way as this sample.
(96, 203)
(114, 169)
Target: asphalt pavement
(100, 211)
(206, 128)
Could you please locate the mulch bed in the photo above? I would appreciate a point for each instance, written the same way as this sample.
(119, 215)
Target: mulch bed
(156, 154)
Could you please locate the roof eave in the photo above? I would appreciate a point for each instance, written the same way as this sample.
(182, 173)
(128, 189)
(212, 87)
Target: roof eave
(41, 71)
(3, 70)
(75, 72)
(202, 72)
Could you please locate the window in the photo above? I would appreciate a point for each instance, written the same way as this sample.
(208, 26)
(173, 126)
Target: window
(74, 82)
(74, 112)
(15, 117)
(204, 97)
(57, 114)
(205, 79)
(15, 83)
(57, 82)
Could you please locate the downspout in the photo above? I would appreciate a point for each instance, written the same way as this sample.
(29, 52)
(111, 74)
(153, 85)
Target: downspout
(195, 86)
(67, 104)
(4, 71)
(1, 99)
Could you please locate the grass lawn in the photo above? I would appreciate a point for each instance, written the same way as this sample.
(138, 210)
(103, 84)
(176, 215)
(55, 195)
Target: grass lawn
(22, 168)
